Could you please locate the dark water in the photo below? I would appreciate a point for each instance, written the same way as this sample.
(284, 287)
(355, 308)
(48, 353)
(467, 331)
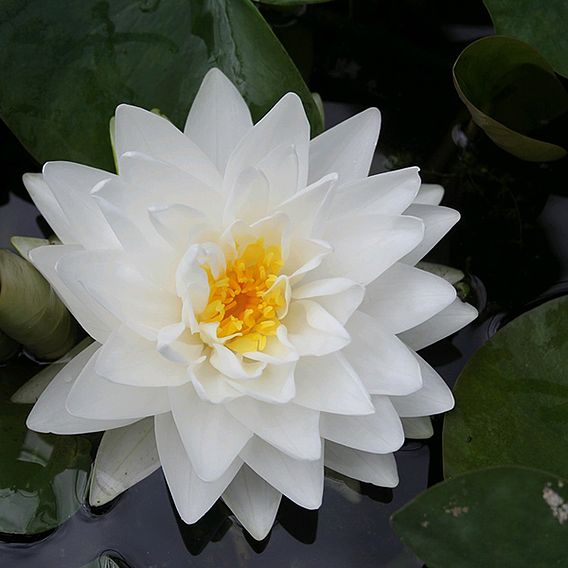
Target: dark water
(512, 241)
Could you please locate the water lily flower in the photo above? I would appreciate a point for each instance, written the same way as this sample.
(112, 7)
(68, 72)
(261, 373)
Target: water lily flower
(254, 305)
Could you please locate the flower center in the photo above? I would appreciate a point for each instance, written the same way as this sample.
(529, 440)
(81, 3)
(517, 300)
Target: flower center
(247, 298)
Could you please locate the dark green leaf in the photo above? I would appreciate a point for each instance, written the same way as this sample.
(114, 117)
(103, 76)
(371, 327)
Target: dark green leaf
(540, 23)
(513, 94)
(43, 478)
(512, 398)
(500, 517)
(291, 2)
(65, 66)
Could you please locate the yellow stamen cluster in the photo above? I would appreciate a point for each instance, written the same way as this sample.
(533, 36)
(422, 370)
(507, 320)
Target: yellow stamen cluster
(247, 298)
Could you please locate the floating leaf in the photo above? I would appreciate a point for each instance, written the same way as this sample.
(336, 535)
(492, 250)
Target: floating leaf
(512, 93)
(540, 23)
(65, 66)
(30, 311)
(512, 398)
(505, 516)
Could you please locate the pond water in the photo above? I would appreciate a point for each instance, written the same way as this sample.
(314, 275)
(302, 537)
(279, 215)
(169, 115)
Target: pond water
(512, 241)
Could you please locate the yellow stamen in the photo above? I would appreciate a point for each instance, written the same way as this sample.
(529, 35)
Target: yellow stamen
(246, 298)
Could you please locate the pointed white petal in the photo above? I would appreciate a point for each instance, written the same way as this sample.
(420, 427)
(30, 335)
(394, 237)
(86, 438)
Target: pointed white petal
(433, 398)
(378, 469)
(457, 315)
(125, 456)
(192, 496)
(404, 297)
(417, 428)
(285, 124)
(49, 413)
(179, 225)
(378, 433)
(305, 255)
(218, 119)
(312, 330)
(211, 385)
(93, 396)
(338, 296)
(290, 428)
(300, 480)
(232, 366)
(330, 384)
(253, 501)
(347, 148)
(388, 193)
(72, 184)
(138, 130)
(211, 436)
(276, 384)
(129, 359)
(278, 349)
(384, 363)
(429, 194)
(94, 319)
(308, 207)
(437, 222)
(248, 198)
(282, 169)
(366, 245)
(45, 201)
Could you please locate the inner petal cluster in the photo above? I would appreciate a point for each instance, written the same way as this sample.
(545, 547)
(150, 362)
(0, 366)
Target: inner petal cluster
(248, 298)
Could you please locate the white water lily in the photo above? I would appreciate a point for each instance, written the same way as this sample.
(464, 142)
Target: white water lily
(253, 302)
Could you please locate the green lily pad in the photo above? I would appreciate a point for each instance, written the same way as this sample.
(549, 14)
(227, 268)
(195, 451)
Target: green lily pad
(512, 398)
(513, 94)
(540, 23)
(65, 66)
(498, 517)
(43, 478)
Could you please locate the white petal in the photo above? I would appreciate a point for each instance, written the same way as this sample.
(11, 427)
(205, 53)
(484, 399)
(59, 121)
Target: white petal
(300, 480)
(179, 225)
(284, 125)
(292, 429)
(278, 349)
(417, 428)
(218, 119)
(49, 413)
(125, 456)
(253, 501)
(282, 169)
(72, 184)
(457, 315)
(93, 396)
(232, 366)
(211, 436)
(404, 297)
(388, 193)
(211, 385)
(116, 284)
(248, 198)
(430, 194)
(437, 222)
(331, 385)
(366, 245)
(176, 185)
(129, 359)
(192, 496)
(378, 469)
(308, 207)
(314, 331)
(305, 255)
(138, 130)
(45, 201)
(276, 384)
(378, 433)
(433, 398)
(339, 296)
(94, 319)
(384, 363)
(347, 148)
